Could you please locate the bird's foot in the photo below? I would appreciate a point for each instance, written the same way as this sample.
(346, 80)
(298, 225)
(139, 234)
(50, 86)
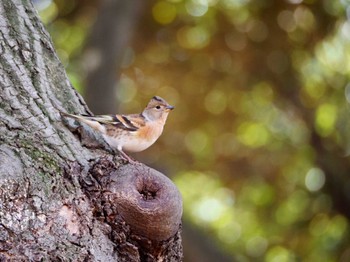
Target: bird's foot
(127, 158)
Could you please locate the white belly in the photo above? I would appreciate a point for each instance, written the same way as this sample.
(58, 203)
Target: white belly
(137, 145)
(129, 143)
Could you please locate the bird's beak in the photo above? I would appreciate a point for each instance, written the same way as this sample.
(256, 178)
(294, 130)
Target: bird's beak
(169, 107)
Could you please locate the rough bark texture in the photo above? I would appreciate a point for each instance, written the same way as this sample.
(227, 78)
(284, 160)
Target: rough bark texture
(59, 200)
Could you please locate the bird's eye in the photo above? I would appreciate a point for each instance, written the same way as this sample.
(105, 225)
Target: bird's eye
(157, 107)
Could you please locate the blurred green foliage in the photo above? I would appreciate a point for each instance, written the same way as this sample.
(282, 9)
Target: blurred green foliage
(259, 141)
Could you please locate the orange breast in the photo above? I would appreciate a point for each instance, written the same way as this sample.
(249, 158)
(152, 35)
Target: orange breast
(149, 132)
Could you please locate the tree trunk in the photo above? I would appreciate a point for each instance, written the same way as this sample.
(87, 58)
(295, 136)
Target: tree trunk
(59, 200)
(105, 51)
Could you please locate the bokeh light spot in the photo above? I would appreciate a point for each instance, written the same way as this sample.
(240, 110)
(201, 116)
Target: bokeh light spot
(279, 254)
(333, 7)
(291, 209)
(48, 10)
(331, 55)
(319, 224)
(285, 20)
(126, 89)
(195, 37)
(295, 2)
(338, 227)
(196, 8)
(209, 209)
(326, 116)
(263, 94)
(253, 134)
(345, 30)
(42, 4)
(258, 31)
(233, 4)
(215, 102)
(236, 41)
(256, 246)
(304, 18)
(315, 179)
(164, 12)
(314, 91)
(261, 194)
(231, 232)
(158, 54)
(196, 141)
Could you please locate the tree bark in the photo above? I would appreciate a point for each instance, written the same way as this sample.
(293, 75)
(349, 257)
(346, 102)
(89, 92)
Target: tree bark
(59, 200)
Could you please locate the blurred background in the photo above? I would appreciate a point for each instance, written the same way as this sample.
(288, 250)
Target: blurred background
(259, 141)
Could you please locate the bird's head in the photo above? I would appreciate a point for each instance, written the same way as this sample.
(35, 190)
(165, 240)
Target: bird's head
(157, 109)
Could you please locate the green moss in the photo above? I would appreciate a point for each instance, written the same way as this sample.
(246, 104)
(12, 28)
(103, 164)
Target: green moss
(44, 161)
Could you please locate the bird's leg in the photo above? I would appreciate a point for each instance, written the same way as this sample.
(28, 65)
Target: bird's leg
(126, 157)
(120, 152)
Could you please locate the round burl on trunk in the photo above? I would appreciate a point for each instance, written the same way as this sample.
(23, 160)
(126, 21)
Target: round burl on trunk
(146, 199)
(142, 207)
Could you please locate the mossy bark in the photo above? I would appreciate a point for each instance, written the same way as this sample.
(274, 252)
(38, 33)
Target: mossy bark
(53, 206)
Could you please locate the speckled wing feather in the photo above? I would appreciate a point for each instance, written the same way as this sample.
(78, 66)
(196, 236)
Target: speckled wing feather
(125, 122)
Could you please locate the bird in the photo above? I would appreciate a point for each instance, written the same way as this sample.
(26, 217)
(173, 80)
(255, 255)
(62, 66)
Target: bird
(130, 132)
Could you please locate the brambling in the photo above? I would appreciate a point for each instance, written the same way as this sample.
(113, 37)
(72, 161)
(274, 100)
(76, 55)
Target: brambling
(132, 133)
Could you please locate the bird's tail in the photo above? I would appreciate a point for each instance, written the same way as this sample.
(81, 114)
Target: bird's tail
(78, 117)
(89, 120)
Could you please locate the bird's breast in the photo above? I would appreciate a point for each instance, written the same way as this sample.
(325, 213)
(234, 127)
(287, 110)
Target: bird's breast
(150, 132)
(143, 138)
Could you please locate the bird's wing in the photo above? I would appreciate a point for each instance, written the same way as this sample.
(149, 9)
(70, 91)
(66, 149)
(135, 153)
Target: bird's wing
(126, 122)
